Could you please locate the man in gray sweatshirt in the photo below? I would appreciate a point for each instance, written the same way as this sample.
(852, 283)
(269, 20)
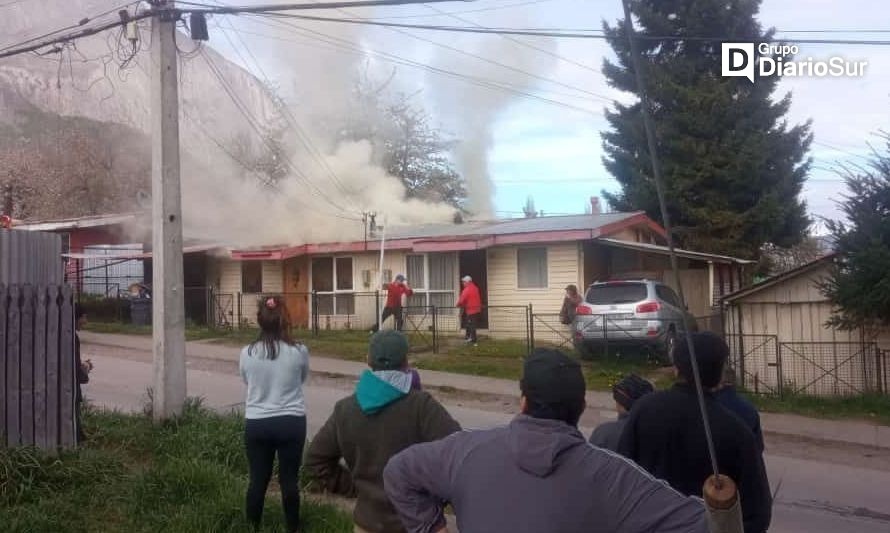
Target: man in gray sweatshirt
(537, 474)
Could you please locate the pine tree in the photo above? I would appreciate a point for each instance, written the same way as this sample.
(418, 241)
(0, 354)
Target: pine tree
(733, 168)
(859, 285)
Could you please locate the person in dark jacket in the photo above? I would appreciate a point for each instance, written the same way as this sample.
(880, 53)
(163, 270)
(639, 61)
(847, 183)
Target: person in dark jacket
(538, 474)
(82, 369)
(728, 397)
(383, 417)
(396, 292)
(665, 435)
(625, 392)
(570, 304)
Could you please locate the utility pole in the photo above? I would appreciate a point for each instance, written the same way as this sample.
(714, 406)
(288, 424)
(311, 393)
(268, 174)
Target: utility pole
(168, 305)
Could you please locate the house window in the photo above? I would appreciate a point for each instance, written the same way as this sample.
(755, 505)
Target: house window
(332, 281)
(252, 277)
(434, 280)
(531, 267)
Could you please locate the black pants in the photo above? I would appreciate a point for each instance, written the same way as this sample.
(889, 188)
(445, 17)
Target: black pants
(264, 437)
(396, 313)
(470, 323)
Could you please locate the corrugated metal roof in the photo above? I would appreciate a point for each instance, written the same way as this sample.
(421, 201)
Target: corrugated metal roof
(646, 247)
(508, 227)
(74, 223)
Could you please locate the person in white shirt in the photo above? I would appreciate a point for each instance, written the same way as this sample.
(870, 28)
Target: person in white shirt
(274, 367)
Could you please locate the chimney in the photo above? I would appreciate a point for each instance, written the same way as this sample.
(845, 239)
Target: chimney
(595, 206)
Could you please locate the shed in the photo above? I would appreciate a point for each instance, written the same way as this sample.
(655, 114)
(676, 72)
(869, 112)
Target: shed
(780, 339)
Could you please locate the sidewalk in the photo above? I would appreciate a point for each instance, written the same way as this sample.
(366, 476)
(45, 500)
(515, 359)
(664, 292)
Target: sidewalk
(843, 431)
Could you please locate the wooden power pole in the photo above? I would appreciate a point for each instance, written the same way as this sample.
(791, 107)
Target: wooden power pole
(168, 313)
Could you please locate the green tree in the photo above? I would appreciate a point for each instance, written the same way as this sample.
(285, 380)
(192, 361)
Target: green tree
(859, 283)
(528, 210)
(733, 168)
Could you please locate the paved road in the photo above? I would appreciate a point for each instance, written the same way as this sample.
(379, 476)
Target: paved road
(813, 497)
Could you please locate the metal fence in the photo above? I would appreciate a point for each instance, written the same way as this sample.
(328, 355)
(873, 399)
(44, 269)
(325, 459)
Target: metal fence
(765, 365)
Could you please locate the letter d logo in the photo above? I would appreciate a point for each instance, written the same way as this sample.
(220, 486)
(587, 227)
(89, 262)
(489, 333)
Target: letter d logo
(738, 60)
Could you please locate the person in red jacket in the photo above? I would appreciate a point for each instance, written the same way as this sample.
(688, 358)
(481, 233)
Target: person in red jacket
(470, 302)
(395, 293)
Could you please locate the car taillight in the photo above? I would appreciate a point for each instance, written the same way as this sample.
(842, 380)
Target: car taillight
(583, 310)
(648, 307)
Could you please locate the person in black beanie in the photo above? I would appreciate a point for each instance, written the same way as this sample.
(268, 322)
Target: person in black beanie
(626, 392)
(537, 474)
(665, 434)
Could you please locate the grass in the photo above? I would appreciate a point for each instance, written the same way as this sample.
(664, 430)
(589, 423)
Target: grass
(503, 359)
(187, 475)
(871, 407)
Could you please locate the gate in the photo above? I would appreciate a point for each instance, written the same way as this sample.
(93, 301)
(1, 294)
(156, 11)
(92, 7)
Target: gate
(222, 310)
(421, 328)
(757, 362)
(548, 329)
(831, 368)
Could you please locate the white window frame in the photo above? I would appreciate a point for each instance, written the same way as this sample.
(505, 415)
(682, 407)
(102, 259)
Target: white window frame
(336, 291)
(426, 291)
(546, 262)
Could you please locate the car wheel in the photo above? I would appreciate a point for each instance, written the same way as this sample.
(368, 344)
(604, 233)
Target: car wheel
(666, 354)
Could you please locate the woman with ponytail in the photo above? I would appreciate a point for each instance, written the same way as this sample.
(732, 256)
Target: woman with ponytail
(274, 368)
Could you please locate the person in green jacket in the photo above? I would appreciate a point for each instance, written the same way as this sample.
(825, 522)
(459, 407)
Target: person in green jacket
(383, 417)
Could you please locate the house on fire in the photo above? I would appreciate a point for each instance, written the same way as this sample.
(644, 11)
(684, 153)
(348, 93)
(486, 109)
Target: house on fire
(515, 262)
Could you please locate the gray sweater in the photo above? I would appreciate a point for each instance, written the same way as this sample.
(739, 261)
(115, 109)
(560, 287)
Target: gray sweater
(533, 476)
(274, 386)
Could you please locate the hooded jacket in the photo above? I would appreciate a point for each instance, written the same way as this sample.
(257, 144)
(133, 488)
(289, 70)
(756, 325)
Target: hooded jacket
(470, 299)
(383, 417)
(533, 476)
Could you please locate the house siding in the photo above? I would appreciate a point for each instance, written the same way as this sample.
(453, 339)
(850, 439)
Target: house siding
(506, 318)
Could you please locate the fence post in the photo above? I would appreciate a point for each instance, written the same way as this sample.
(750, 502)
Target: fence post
(314, 313)
(435, 329)
(238, 322)
(530, 328)
(781, 380)
(605, 337)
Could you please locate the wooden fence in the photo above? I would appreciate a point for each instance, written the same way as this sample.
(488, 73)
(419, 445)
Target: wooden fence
(37, 375)
(30, 257)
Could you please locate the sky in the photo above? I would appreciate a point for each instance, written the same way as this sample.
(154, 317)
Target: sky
(552, 151)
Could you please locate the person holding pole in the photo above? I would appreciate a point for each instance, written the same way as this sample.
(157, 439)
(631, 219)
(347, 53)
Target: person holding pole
(665, 434)
(397, 294)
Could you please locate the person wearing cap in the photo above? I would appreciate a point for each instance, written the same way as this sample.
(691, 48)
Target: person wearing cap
(665, 434)
(384, 416)
(537, 474)
(470, 302)
(396, 292)
(625, 392)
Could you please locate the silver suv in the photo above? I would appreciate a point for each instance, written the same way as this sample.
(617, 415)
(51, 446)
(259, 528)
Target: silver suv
(633, 312)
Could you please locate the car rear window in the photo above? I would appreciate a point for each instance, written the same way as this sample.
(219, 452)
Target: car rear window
(618, 293)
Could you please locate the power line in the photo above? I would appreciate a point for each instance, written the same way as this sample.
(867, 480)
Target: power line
(570, 35)
(345, 45)
(520, 43)
(254, 124)
(480, 10)
(302, 136)
(447, 47)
